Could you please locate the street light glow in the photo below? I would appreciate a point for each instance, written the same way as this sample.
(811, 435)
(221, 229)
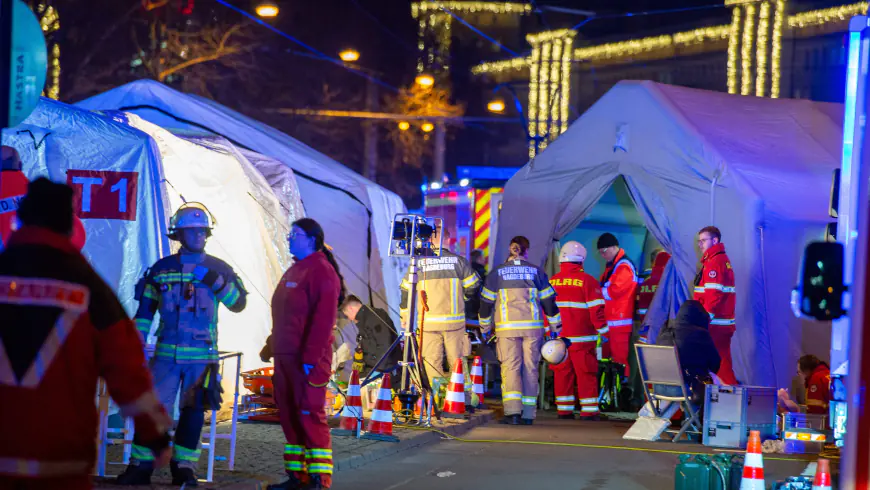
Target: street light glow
(404, 125)
(427, 127)
(349, 55)
(495, 105)
(424, 80)
(267, 9)
(464, 182)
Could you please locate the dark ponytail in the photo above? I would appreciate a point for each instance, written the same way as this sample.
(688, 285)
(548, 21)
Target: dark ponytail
(518, 247)
(312, 229)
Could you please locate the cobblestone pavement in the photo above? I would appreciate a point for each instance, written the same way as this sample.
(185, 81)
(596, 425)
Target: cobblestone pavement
(260, 446)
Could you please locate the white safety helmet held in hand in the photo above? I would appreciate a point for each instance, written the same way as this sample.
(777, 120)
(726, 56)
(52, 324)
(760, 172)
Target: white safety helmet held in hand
(572, 252)
(554, 351)
(190, 215)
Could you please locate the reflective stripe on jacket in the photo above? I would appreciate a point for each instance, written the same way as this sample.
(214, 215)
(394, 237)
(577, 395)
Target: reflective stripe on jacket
(714, 286)
(516, 297)
(580, 303)
(619, 288)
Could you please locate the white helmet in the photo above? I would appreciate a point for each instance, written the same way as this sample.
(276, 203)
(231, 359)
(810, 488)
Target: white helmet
(572, 252)
(554, 351)
(190, 215)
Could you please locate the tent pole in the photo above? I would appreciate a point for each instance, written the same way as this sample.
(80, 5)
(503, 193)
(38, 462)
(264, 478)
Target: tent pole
(713, 198)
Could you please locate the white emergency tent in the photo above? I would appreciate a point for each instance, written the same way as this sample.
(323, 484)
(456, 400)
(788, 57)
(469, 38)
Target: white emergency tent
(759, 169)
(250, 229)
(355, 213)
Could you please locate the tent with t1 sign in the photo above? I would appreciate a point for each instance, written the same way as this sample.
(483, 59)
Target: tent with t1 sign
(129, 176)
(759, 169)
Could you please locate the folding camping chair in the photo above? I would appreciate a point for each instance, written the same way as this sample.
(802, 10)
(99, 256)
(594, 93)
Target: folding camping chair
(660, 365)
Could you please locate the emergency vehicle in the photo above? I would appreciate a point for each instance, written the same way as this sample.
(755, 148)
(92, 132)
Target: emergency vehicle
(470, 207)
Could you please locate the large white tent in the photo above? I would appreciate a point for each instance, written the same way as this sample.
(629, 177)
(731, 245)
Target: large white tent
(759, 169)
(58, 141)
(355, 213)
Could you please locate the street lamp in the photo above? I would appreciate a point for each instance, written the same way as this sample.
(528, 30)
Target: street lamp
(267, 9)
(349, 55)
(496, 105)
(404, 125)
(533, 140)
(427, 127)
(424, 80)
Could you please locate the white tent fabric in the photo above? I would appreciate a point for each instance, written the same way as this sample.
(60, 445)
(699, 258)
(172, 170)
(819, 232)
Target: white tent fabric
(355, 213)
(760, 167)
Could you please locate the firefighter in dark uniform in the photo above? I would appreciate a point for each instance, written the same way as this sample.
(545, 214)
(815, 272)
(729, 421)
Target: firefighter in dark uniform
(518, 295)
(186, 289)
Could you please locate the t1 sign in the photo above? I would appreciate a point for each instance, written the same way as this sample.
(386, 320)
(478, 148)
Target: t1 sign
(23, 62)
(104, 194)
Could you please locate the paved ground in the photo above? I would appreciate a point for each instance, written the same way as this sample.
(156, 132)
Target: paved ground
(507, 465)
(260, 447)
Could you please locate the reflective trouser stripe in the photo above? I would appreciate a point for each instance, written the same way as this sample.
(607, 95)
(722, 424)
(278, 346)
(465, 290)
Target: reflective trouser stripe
(529, 400)
(319, 460)
(181, 453)
(141, 453)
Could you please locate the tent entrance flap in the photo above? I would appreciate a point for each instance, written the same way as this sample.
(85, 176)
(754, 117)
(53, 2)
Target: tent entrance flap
(614, 213)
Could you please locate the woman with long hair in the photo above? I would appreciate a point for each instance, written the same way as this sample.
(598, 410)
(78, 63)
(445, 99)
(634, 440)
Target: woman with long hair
(304, 309)
(518, 294)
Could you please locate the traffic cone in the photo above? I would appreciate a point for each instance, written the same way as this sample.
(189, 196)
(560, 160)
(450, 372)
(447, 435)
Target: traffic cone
(823, 476)
(477, 381)
(454, 402)
(753, 465)
(352, 412)
(381, 422)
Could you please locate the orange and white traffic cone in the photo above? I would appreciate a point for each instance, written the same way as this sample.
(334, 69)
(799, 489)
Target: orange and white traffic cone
(823, 475)
(381, 422)
(454, 402)
(352, 413)
(477, 381)
(753, 465)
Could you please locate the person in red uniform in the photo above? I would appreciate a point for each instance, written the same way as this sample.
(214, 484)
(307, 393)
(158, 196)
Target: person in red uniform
(619, 287)
(63, 329)
(817, 380)
(304, 310)
(647, 290)
(578, 296)
(714, 288)
(13, 186)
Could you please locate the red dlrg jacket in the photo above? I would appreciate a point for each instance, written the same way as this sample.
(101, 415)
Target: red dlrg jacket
(648, 287)
(714, 286)
(578, 296)
(619, 287)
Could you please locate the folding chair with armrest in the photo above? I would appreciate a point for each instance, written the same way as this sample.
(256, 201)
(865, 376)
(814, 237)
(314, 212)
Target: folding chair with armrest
(660, 365)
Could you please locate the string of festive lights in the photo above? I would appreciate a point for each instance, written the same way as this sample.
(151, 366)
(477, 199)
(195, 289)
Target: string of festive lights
(733, 50)
(659, 47)
(418, 8)
(534, 74)
(564, 103)
(776, 49)
(50, 23)
(746, 53)
(828, 15)
(761, 47)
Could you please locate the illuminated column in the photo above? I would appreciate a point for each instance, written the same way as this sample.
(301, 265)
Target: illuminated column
(756, 37)
(50, 23)
(549, 86)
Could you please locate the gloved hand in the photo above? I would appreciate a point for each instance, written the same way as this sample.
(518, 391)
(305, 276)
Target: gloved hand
(307, 368)
(214, 280)
(266, 351)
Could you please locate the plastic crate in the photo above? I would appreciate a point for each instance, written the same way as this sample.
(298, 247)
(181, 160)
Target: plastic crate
(805, 433)
(733, 435)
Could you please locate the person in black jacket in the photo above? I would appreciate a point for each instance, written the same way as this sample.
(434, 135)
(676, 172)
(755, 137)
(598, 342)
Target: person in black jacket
(376, 333)
(690, 333)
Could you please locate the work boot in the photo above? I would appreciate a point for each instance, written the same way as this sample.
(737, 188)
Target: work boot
(566, 416)
(511, 419)
(292, 483)
(182, 475)
(319, 482)
(527, 421)
(136, 474)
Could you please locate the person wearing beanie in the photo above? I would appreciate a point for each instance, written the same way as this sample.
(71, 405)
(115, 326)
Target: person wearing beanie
(619, 287)
(63, 328)
(578, 296)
